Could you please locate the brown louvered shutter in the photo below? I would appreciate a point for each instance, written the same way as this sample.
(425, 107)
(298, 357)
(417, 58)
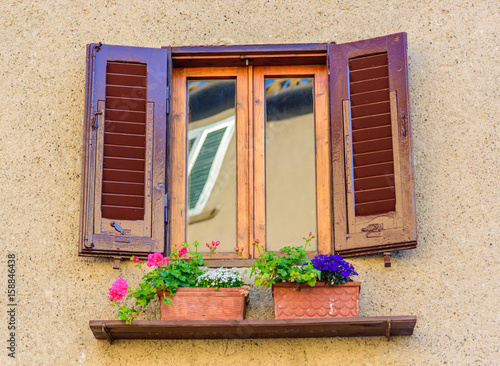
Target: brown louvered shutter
(371, 148)
(123, 200)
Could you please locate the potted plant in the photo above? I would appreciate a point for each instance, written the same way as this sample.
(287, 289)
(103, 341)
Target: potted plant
(187, 289)
(304, 288)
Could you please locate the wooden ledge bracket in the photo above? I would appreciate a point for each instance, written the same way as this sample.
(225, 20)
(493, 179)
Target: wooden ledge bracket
(116, 262)
(388, 330)
(107, 333)
(387, 259)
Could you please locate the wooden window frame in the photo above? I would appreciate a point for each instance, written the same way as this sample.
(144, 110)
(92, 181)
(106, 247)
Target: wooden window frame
(251, 213)
(334, 198)
(322, 150)
(178, 196)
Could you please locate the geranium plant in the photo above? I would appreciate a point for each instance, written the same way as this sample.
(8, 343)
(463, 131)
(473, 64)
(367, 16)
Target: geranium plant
(292, 265)
(295, 266)
(185, 267)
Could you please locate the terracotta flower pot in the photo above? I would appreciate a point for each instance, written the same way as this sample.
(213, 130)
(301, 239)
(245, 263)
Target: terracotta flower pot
(294, 300)
(196, 303)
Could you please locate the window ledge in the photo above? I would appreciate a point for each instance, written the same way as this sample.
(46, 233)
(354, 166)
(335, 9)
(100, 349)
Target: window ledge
(224, 329)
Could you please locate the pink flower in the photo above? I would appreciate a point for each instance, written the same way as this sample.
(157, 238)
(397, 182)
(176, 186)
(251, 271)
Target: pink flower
(136, 260)
(310, 233)
(118, 290)
(182, 251)
(217, 242)
(156, 260)
(256, 240)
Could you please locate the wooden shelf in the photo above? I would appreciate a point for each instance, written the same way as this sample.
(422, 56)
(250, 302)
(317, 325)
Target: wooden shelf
(223, 329)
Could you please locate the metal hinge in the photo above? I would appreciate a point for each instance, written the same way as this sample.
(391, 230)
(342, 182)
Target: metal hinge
(94, 119)
(404, 123)
(166, 207)
(168, 100)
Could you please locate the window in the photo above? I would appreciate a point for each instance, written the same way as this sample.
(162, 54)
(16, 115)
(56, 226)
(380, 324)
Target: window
(232, 143)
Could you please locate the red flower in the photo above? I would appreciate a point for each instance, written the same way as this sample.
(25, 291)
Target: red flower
(118, 290)
(156, 260)
(182, 251)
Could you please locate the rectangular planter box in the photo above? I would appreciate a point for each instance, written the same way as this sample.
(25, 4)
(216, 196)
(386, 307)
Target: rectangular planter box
(196, 303)
(296, 301)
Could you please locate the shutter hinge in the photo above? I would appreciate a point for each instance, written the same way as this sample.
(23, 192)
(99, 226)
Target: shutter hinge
(168, 100)
(404, 122)
(166, 207)
(98, 47)
(94, 119)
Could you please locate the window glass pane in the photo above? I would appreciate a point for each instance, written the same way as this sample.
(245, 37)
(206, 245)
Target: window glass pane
(290, 162)
(212, 163)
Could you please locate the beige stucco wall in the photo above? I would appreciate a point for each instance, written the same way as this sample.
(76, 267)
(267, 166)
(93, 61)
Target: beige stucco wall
(450, 281)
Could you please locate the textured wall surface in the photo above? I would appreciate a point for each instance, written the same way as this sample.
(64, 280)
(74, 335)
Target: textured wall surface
(450, 281)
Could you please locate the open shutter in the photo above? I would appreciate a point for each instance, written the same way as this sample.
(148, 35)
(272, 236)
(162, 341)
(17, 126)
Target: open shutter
(371, 148)
(123, 199)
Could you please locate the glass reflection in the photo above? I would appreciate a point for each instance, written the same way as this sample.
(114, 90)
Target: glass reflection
(212, 163)
(290, 162)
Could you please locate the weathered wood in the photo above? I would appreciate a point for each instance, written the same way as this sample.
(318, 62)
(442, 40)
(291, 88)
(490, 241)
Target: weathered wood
(380, 219)
(247, 49)
(99, 237)
(290, 328)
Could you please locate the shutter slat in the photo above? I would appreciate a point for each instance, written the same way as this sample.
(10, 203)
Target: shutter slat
(126, 116)
(123, 175)
(370, 97)
(125, 91)
(370, 109)
(124, 164)
(123, 188)
(377, 194)
(372, 145)
(369, 85)
(123, 213)
(123, 151)
(126, 127)
(373, 208)
(372, 158)
(127, 104)
(373, 170)
(126, 68)
(371, 133)
(364, 62)
(111, 199)
(126, 80)
(112, 138)
(373, 182)
(371, 121)
(369, 73)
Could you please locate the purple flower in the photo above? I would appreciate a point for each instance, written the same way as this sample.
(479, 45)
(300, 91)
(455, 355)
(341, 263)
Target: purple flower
(334, 269)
